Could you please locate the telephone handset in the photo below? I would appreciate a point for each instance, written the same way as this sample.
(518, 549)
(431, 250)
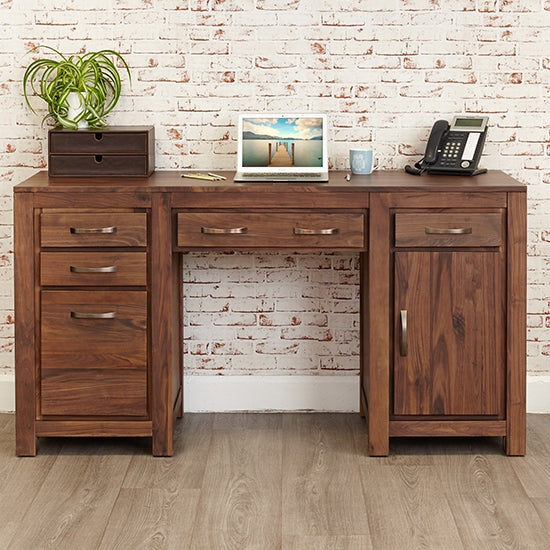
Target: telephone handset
(454, 148)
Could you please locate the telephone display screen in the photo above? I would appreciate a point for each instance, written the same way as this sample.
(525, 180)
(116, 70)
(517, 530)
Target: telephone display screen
(468, 123)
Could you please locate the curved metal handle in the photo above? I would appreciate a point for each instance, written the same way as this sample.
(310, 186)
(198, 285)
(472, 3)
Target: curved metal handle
(304, 231)
(448, 231)
(224, 231)
(403, 344)
(86, 230)
(80, 315)
(82, 269)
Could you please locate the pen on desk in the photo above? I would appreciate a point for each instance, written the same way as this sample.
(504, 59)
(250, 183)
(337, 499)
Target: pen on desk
(199, 177)
(217, 176)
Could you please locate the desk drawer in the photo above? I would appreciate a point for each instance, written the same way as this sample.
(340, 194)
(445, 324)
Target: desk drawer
(94, 353)
(93, 268)
(448, 229)
(271, 230)
(124, 229)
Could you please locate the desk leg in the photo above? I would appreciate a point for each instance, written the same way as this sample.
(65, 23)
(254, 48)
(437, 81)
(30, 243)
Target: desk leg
(376, 382)
(177, 278)
(162, 306)
(517, 315)
(363, 329)
(25, 345)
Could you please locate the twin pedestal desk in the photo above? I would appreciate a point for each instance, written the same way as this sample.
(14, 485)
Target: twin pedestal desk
(98, 296)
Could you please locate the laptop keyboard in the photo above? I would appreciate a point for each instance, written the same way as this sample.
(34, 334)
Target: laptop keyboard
(272, 176)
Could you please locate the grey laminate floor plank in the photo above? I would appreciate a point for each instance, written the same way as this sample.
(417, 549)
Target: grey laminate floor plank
(20, 479)
(275, 481)
(75, 500)
(322, 493)
(240, 501)
(326, 542)
(185, 469)
(149, 518)
(406, 507)
(490, 505)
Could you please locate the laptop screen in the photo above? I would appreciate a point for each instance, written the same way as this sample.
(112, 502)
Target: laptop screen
(282, 143)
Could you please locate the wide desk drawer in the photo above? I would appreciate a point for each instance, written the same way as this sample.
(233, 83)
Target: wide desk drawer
(93, 268)
(271, 230)
(124, 229)
(444, 229)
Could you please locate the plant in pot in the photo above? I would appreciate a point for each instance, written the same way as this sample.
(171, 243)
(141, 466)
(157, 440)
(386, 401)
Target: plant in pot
(79, 89)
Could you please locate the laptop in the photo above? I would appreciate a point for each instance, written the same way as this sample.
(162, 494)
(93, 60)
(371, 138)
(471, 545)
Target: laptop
(279, 147)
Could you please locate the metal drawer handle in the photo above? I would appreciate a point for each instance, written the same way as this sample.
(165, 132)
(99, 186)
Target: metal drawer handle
(86, 230)
(82, 269)
(448, 231)
(80, 315)
(224, 231)
(304, 231)
(403, 344)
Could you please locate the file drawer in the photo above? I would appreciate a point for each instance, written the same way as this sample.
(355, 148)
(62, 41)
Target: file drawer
(93, 353)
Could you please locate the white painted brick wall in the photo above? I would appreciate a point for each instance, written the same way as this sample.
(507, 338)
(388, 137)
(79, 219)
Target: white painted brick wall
(382, 71)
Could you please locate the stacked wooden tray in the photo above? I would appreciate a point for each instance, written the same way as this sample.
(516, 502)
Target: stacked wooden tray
(109, 151)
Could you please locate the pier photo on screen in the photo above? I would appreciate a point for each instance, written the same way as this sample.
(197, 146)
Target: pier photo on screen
(282, 142)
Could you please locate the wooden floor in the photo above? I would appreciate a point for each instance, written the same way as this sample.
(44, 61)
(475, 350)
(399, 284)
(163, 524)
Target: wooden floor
(275, 481)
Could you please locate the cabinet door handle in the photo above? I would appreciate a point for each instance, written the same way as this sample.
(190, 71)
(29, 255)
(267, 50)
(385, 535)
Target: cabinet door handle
(403, 344)
(448, 231)
(80, 315)
(87, 230)
(224, 231)
(83, 269)
(305, 231)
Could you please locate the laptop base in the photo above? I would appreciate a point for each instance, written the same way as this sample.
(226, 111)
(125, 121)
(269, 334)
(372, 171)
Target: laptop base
(284, 178)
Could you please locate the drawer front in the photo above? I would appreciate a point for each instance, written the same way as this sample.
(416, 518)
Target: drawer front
(98, 142)
(125, 229)
(99, 165)
(271, 230)
(448, 229)
(94, 353)
(93, 268)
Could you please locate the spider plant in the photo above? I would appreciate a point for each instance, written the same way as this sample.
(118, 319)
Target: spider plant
(93, 77)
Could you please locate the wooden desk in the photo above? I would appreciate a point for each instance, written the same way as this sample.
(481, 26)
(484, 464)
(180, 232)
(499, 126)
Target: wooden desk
(98, 296)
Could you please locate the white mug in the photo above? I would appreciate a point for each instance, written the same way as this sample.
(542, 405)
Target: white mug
(361, 161)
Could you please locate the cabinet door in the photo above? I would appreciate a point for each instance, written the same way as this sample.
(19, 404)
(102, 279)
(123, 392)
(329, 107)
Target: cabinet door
(449, 333)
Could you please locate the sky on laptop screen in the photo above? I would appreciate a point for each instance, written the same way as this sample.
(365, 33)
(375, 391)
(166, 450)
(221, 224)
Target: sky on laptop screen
(282, 142)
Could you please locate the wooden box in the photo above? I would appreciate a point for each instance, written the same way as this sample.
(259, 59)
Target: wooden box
(109, 151)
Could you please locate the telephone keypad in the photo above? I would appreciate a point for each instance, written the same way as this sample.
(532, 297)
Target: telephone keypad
(452, 149)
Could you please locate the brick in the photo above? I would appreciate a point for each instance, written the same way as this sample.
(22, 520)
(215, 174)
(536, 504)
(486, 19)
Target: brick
(297, 362)
(520, 5)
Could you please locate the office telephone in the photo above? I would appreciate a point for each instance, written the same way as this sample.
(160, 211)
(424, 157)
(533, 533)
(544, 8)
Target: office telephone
(453, 149)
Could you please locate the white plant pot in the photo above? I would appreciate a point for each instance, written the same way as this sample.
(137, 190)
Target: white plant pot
(76, 106)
